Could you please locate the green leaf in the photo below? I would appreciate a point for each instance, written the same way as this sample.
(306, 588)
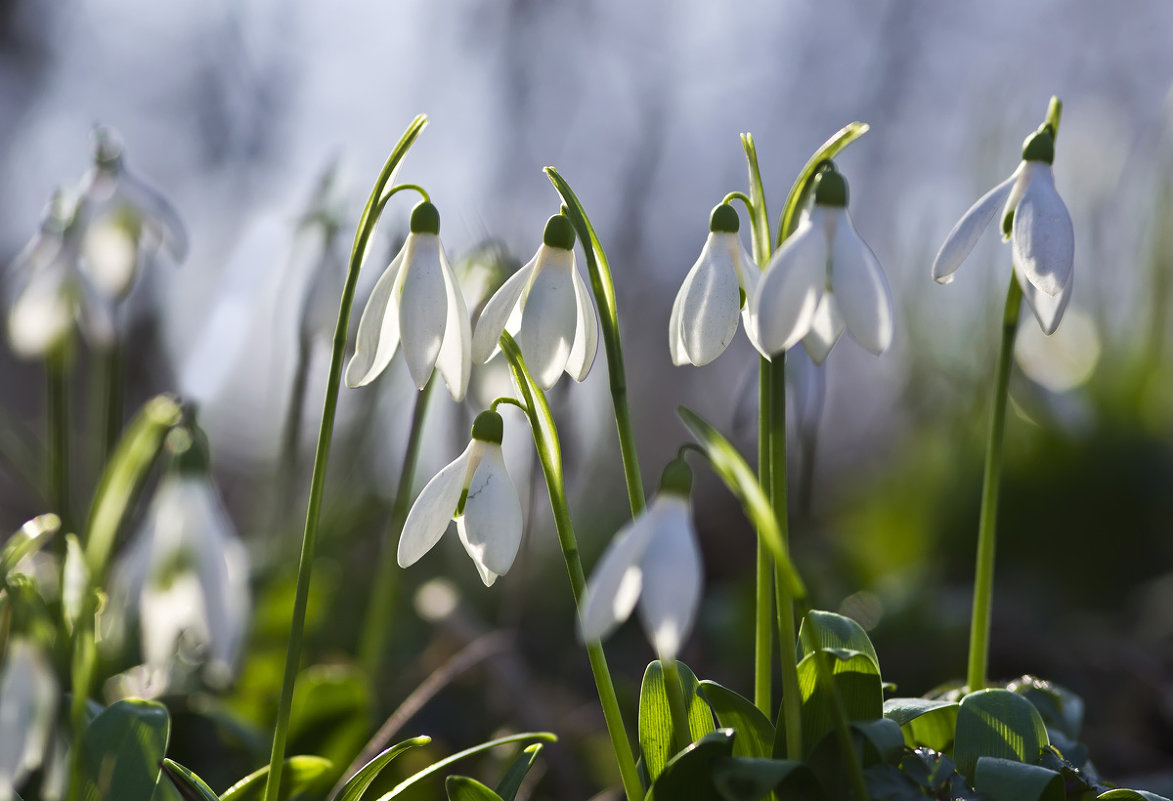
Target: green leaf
(462, 788)
(29, 538)
(437, 767)
(857, 681)
(828, 630)
(883, 740)
(997, 723)
(755, 732)
(331, 714)
(743, 483)
(189, 785)
(655, 719)
(1008, 780)
(511, 781)
(357, 784)
(75, 580)
(802, 184)
(924, 721)
(122, 749)
(689, 774)
(1122, 794)
(1059, 707)
(301, 774)
(744, 779)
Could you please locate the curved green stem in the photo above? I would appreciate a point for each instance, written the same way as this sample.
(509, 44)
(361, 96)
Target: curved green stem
(744, 198)
(549, 454)
(366, 227)
(381, 609)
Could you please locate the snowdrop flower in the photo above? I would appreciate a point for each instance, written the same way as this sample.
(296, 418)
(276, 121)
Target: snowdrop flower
(418, 301)
(1042, 240)
(822, 280)
(186, 570)
(715, 291)
(546, 307)
(655, 560)
(125, 220)
(48, 291)
(476, 490)
(28, 700)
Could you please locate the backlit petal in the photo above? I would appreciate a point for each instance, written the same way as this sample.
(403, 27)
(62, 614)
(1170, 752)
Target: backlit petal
(675, 341)
(710, 302)
(672, 577)
(826, 327)
(789, 291)
(423, 306)
(496, 312)
(861, 291)
(378, 328)
(750, 277)
(615, 583)
(454, 362)
(965, 234)
(586, 331)
(433, 509)
(1043, 240)
(490, 528)
(1048, 309)
(548, 319)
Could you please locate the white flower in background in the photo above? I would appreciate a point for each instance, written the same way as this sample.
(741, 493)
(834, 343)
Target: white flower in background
(823, 279)
(186, 570)
(28, 701)
(654, 560)
(1042, 240)
(416, 301)
(716, 290)
(48, 291)
(125, 220)
(546, 307)
(476, 490)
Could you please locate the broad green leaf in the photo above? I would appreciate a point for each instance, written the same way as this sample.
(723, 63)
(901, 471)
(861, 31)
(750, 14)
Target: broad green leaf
(189, 785)
(1008, 780)
(655, 720)
(924, 721)
(29, 538)
(743, 483)
(997, 723)
(755, 732)
(122, 749)
(300, 774)
(438, 767)
(357, 784)
(1122, 794)
(882, 740)
(511, 781)
(802, 184)
(689, 774)
(462, 788)
(745, 779)
(828, 630)
(1059, 707)
(857, 681)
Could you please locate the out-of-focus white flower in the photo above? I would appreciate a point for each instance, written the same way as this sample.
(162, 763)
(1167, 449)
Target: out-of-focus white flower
(125, 220)
(1042, 240)
(716, 290)
(654, 560)
(476, 490)
(824, 278)
(546, 307)
(186, 570)
(416, 301)
(28, 701)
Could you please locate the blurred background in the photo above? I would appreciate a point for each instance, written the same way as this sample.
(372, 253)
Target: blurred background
(251, 117)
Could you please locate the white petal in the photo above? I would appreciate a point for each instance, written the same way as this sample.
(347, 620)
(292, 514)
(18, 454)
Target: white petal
(454, 362)
(750, 277)
(172, 617)
(789, 291)
(808, 388)
(28, 698)
(490, 527)
(95, 314)
(675, 341)
(111, 254)
(615, 583)
(673, 577)
(496, 312)
(711, 301)
(1043, 240)
(40, 316)
(378, 328)
(158, 215)
(433, 509)
(861, 291)
(965, 234)
(586, 330)
(548, 319)
(1048, 309)
(422, 307)
(826, 327)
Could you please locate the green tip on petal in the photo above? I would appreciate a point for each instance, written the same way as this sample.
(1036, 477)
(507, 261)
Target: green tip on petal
(1039, 146)
(188, 448)
(488, 427)
(831, 190)
(724, 220)
(425, 219)
(559, 233)
(676, 478)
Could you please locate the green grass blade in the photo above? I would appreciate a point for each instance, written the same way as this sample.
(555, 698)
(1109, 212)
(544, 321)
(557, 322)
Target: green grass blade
(357, 784)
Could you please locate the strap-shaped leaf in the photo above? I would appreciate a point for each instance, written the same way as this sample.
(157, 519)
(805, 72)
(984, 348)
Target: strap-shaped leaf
(462, 788)
(1008, 780)
(924, 721)
(802, 184)
(822, 629)
(858, 684)
(997, 723)
(1122, 794)
(122, 749)
(300, 774)
(655, 719)
(187, 783)
(29, 538)
(689, 774)
(357, 784)
(755, 732)
(1059, 707)
(745, 779)
(511, 781)
(438, 767)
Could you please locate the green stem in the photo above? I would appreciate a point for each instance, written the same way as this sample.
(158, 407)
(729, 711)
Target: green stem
(57, 411)
(382, 603)
(983, 587)
(788, 654)
(549, 454)
(112, 367)
(676, 708)
(362, 237)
